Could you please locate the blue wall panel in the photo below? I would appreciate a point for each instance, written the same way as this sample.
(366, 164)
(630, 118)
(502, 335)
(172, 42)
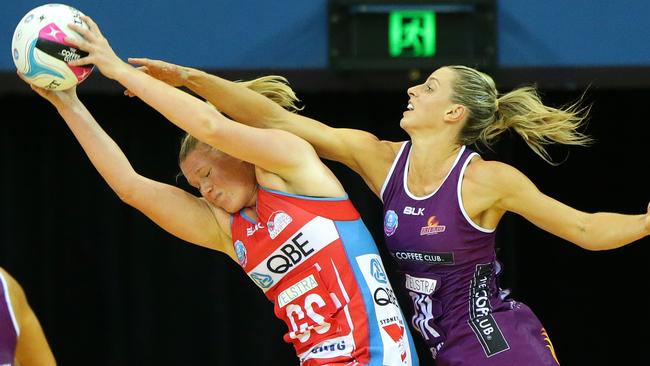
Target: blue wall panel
(292, 34)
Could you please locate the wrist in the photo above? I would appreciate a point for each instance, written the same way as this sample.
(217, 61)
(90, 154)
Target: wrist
(120, 71)
(193, 79)
(185, 73)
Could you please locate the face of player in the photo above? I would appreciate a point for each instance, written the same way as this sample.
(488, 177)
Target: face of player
(429, 102)
(224, 181)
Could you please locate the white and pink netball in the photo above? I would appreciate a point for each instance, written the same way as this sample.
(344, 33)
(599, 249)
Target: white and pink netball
(40, 51)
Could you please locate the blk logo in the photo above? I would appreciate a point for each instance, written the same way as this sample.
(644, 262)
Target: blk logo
(414, 211)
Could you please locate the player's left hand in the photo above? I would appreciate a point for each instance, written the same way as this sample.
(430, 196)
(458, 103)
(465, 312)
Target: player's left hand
(99, 50)
(59, 98)
(171, 74)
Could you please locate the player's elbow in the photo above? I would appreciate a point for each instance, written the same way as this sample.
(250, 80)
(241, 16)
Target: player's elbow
(211, 125)
(129, 189)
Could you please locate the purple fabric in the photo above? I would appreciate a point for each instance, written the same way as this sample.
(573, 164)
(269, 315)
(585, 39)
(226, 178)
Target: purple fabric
(450, 272)
(8, 336)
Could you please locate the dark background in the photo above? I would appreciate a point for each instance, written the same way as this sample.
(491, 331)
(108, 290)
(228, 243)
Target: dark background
(111, 288)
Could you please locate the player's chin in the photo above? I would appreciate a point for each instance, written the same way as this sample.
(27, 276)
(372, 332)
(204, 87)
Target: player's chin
(403, 122)
(231, 207)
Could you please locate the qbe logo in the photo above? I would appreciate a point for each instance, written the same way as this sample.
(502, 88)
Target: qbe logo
(290, 255)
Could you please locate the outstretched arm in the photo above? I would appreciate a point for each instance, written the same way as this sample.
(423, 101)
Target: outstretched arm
(286, 162)
(32, 348)
(252, 103)
(593, 231)
(178, 212)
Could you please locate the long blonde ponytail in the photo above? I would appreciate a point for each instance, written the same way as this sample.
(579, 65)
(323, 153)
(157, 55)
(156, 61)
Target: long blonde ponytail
(522, 110)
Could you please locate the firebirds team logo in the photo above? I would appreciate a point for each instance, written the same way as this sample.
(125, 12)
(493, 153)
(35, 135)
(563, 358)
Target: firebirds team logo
(278, 221)
(433, 227)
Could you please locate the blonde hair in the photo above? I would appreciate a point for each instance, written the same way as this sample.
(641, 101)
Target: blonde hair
(522, 110)
(273, 87)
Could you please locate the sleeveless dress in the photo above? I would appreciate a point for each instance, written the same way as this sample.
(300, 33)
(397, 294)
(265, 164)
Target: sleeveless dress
(316, 261)
(450, 272)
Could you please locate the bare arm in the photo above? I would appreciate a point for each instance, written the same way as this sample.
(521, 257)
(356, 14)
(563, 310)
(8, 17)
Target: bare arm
(286, 161)
(593, 231)
(359, 150)
(178, 212)
(32, 348)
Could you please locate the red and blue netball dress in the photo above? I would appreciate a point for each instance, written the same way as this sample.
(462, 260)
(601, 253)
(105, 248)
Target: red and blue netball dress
(316, 261)
(8, 326)
(450, 273)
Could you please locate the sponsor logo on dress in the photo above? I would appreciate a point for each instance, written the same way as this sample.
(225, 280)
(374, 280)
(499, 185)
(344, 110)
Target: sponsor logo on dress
(385, 296)
(481, 321)
(240, 251)
(387, 311)
(262, 280)
(421, 285)
(377, 271)
(296, 290)
(290, 254)
(304, 243)
(433, 227)
(414, 211)
(390, 223)
(323, 347)
(277, 222)
(396, 333)
(252, 229)
(427, 257)
(330, 348)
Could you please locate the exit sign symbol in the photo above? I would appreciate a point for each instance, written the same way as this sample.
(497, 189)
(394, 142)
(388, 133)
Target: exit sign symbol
(412, 33)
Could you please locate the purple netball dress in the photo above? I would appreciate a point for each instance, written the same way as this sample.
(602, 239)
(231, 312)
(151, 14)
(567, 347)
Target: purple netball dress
(450, 273)
(8, 326)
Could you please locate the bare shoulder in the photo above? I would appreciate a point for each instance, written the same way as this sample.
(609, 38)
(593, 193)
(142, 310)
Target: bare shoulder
(502, 185)
(11, 281)
(16, 292)
(383, 152)
(491, 173)
(373, 164)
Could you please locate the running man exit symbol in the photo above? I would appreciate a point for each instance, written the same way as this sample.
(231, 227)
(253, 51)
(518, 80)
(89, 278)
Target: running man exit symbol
(412, 33)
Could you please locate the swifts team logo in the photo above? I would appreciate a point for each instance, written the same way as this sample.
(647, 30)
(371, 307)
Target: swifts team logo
(277, 222)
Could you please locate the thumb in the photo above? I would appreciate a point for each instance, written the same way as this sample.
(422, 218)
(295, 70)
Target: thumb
(138, 60)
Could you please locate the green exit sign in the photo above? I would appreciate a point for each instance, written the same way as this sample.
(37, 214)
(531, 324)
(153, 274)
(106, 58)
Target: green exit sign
(412, 33)
(367, 35)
